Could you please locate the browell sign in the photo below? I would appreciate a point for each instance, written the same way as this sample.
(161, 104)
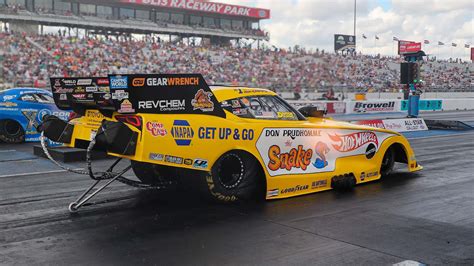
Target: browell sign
(364, 107)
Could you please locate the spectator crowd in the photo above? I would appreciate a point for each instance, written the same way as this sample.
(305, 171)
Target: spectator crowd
(34, 58)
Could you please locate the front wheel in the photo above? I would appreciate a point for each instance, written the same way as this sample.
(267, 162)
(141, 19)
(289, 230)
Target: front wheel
(388, 162)
(11, 132)
(235, 176)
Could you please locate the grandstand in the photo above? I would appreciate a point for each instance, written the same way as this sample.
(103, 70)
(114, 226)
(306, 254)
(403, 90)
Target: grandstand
(216, 23)
(28, 56)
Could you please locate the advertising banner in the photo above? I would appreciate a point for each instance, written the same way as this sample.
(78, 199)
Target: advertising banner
(405, 124)
(344, 42)
(398, 125)
(373, 106)
(409, 48)
(403, 43)
(205, 6)
(424, 105)
(378, 123)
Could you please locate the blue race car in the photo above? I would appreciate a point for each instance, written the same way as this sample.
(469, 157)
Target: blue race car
(21, 110)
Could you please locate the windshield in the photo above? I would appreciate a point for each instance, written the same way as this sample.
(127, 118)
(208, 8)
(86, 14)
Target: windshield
(261, 107)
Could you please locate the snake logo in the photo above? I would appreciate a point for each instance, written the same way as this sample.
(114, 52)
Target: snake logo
(321, 149)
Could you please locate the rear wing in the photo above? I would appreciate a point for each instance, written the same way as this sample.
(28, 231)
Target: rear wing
(137, 93)
(82, 93)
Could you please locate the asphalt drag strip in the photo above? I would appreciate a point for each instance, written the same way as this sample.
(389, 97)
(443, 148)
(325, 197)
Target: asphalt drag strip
(426, 217)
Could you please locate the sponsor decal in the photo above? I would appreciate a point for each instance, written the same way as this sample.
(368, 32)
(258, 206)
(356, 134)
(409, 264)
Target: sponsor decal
(202, 101)
(79, 96)
(297, 188)
(173, 159)
(106, 96)
(138, 82)
(119, 82)
(362, 176)
(8, 97)
(200, 163)
(295, 158)
(30, 115)
(320, 150)
(57, 83)
(183, 81)
(84, 82)
(102, 81)
(362, 107)
(156, 129)
(163, 105)
(285, 115)
(314, 153)
(79, 90)
(350, 142)
(273, 193)
(319, 184)
(372, 174)
(182, 132)
(63, 90)
(370, 151)
(156, 156)
(292, 133)
(91, 89)
(8, 104)
(63, 97)
(69, 82)
(225, 133)
(119, 95)
(188, 161)
(126, 107)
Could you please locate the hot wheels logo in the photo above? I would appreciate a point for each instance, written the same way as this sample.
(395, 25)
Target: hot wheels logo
(350, 142)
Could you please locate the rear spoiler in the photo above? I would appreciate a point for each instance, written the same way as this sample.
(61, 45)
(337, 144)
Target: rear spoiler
(137, 93)
(82, 93)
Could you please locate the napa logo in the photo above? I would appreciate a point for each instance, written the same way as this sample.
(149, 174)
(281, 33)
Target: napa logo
(182, 132)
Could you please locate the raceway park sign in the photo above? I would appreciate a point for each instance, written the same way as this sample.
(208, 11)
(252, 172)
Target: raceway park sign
(205, 6)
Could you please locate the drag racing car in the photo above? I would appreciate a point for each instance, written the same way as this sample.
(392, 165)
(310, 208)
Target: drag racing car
(22, 109)
(233, 143)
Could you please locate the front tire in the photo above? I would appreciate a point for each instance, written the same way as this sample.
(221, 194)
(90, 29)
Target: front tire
(153, 174)
(235, 176)
(388, 162)
(11, 132)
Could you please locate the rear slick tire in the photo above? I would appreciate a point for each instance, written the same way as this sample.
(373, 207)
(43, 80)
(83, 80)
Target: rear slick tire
(235, 176)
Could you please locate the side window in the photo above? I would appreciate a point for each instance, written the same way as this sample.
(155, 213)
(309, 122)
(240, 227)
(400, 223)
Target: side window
(261, 107)
(28, 98)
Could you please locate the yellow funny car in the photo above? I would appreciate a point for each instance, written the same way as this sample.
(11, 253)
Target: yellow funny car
(235, 143)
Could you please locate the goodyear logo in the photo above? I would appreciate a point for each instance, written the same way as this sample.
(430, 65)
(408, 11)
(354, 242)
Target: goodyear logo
(182, 132)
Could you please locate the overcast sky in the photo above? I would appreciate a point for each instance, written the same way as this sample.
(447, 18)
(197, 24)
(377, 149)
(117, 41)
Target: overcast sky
(312, 23)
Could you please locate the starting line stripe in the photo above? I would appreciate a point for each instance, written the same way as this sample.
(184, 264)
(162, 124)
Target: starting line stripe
(37, 173)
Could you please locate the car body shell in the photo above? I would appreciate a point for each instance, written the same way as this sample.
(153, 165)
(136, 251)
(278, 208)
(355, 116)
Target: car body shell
(27, 113)
(196, 141)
